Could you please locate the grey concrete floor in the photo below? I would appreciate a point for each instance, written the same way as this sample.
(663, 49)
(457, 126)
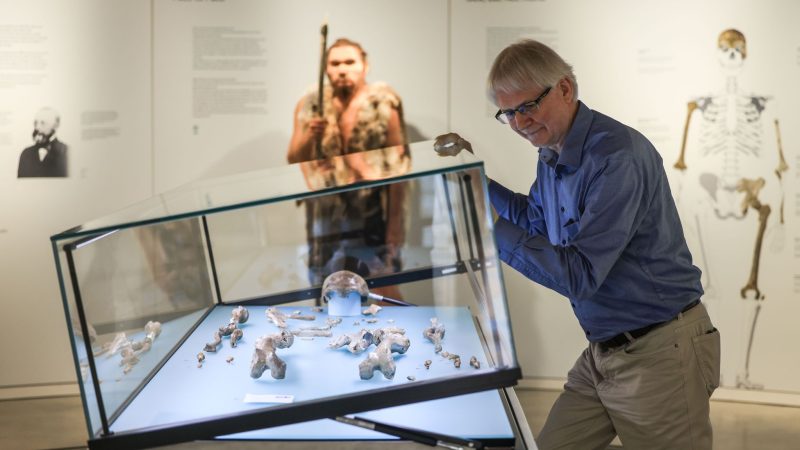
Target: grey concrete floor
(57, 423)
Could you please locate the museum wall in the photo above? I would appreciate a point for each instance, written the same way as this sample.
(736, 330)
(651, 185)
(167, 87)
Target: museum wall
(152, 95)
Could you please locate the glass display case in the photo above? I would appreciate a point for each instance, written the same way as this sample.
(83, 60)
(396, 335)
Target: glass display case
(208, 311)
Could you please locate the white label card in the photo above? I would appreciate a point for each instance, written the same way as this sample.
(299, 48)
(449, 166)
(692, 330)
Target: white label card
(268, 398)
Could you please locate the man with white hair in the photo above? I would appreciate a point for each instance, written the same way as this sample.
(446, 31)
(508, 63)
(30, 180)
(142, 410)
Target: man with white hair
(47, 157)
(599, 225)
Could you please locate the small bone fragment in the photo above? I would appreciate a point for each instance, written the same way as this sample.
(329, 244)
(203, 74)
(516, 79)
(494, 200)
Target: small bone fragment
(276, 317)
(131, 352)
(298, 316)
(312, 333)
(428, 363)
(211, 347)
(239, 315)
(113, 346)
(435, 334)
(227, 330)
(236, 336)
(356, 342)
(372, 310)
(474, 362)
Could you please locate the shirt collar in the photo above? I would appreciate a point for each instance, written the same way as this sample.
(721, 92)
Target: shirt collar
(572, 151)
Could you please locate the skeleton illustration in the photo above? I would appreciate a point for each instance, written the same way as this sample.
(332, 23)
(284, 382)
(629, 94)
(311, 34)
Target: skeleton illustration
(265, 356)
(732, 152)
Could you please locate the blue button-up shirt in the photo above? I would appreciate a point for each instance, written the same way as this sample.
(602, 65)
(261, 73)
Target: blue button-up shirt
(600, 226)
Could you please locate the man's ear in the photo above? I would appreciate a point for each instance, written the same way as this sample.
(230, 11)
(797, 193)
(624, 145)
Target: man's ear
(566, 89)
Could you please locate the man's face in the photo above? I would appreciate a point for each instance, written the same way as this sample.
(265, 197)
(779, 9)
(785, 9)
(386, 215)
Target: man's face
(44, 125)
(347, 70)
(548, 125)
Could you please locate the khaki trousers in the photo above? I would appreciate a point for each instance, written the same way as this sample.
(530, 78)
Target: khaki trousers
(652, 392)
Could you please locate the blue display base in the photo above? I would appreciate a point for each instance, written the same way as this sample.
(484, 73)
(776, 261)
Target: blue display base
(182, 392)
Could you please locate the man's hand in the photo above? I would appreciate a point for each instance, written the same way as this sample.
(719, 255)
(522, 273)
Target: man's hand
(451, 144)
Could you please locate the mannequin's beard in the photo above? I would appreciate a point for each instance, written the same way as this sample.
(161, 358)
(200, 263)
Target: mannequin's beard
(42, 138)
(343, 91)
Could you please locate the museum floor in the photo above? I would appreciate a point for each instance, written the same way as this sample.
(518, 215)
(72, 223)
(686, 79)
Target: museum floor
(57, 423)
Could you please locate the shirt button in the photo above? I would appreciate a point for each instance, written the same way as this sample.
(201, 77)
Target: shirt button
(563, 242)
(562, 209)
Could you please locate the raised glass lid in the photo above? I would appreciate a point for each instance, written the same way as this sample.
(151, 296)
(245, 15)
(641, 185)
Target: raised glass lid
(282, 183)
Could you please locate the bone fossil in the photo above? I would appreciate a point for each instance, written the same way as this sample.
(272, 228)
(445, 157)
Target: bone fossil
(279, 318)
(435, 334)
(265, 356)
(342, 283)
(132, 350)
(355, 342)
(359, 342)
(372, 310)
(238, 315)
(381, 359)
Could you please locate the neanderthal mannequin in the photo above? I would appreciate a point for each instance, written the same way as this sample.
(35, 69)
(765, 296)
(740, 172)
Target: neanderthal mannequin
(731, 164)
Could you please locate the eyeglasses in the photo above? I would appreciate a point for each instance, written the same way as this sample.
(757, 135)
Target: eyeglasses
(526, 108)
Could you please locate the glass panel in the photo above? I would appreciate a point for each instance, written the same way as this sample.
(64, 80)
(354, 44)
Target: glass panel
(266, 250)
(277, 184)
(404, 227)
(280, 247)
(141, 291)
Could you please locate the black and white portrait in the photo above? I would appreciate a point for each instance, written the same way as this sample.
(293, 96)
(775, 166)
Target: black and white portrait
(47, 157)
